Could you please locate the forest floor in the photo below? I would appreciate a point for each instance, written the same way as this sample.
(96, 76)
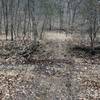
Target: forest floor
(57, 71)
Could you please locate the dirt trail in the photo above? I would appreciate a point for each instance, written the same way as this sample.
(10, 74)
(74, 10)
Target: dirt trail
(55, 36)
(57, 43)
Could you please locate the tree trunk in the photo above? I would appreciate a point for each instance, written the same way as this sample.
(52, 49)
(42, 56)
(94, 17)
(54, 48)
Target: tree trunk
(92, 46)
(12, 33)
(43, 26)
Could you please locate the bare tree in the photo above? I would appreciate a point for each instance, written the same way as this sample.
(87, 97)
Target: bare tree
(5, 16)
(90, 14)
